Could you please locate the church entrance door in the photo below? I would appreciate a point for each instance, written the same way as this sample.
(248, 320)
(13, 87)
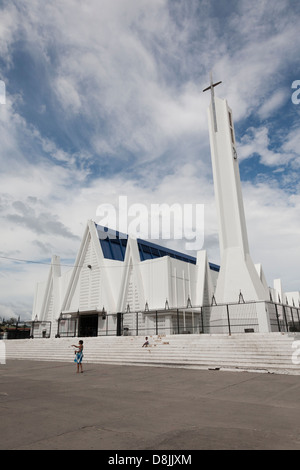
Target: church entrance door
(88, 325)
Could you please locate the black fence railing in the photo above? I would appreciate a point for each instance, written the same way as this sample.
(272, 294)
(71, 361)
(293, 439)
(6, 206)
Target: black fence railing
(285, 317)
(28, 329)
(245, 317)
(40, 329)
(20, 330)
(67, 327)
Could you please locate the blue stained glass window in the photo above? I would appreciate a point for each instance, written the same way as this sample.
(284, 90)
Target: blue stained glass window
(106, 248)
(145, 252)
(114, 247)
(117, 250)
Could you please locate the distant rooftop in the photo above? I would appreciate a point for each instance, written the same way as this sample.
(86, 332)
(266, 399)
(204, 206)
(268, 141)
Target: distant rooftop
(114, 247)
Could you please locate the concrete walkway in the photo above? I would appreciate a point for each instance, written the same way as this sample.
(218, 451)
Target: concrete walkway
(46, 405)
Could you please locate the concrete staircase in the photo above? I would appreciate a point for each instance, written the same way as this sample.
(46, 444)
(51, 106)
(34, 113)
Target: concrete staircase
(251, 352)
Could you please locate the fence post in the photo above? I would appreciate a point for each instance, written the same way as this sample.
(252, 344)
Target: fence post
(228, 319)
(156, 323)
(291, 309)
(297, 310)
(202, 323)
(277, 318)
(119, 323)
(178, 330)
(285, 319)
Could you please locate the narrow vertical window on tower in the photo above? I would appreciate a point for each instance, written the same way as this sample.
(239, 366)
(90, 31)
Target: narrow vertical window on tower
(231, 127)
(232, 135)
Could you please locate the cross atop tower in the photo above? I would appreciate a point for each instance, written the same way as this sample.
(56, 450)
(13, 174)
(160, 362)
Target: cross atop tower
(211, 88)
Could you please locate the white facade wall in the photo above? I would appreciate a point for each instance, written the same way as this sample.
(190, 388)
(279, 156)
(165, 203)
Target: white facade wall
(293, 298)
(39, 296)
(97, 283)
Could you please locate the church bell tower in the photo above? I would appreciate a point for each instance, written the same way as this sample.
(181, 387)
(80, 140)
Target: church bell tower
(238, 275)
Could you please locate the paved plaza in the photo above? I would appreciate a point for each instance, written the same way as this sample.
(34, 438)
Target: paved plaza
(46, 405)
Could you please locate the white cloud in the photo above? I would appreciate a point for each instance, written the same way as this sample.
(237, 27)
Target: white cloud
(274, 102)
(261, 48)
(9, 25)
(67, 94)
(274, 231)
(257, 141)
(7, 312)
(292, 145)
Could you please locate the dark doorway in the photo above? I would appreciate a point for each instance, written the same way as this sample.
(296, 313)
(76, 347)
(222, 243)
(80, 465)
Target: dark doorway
(88, 325)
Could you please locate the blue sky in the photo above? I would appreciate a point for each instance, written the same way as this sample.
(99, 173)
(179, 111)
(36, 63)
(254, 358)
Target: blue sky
(104, 97)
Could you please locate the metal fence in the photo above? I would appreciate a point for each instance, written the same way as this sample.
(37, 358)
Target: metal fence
(285, 318)
(245, 317)
(21, 330)
(28, 329)
(40, 329)
(67, 327)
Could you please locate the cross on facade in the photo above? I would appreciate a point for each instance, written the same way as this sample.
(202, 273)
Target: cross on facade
(211, 88)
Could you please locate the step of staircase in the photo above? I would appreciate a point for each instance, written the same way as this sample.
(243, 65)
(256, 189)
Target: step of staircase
(271, 352)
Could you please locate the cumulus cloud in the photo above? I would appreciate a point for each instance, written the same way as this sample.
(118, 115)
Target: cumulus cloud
(256, 141)
(42, 223)
(273, 103)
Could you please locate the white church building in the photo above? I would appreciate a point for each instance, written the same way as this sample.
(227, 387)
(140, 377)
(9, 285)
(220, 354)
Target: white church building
(125, 286)
(150, 285)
